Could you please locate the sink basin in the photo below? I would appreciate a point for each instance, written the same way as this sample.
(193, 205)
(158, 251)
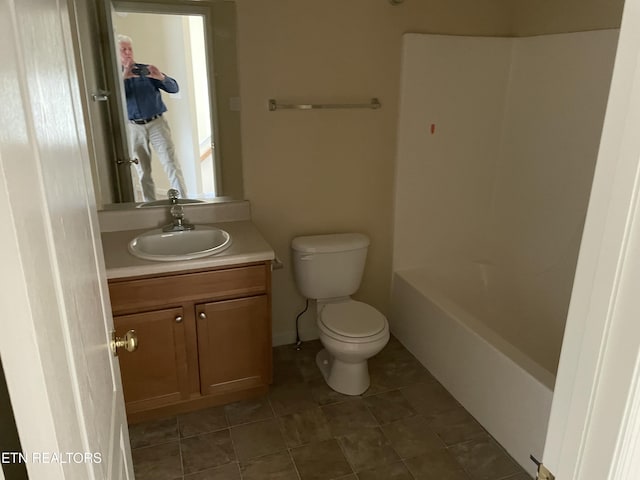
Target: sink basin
(166, 202)
(171, 246)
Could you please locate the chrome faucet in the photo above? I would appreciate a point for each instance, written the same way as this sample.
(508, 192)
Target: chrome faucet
(179, 224)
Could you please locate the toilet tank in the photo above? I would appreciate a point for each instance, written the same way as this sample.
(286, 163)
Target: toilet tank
(328, 266)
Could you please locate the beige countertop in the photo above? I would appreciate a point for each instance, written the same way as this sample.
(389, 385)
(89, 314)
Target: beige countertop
(247, 246)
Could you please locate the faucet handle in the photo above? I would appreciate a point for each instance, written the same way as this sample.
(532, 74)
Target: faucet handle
(173, 195)
(179, 224)
(177, 211)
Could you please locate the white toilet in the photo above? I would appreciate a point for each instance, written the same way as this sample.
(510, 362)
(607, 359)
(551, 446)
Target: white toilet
(328, 269)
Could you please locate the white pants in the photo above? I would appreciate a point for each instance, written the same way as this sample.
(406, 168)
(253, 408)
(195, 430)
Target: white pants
(155, 134)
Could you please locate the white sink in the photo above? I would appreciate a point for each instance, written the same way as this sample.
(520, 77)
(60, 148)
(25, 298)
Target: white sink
(171, 246)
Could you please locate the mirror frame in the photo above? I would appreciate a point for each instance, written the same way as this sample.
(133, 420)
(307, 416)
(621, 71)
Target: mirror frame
(124, 181)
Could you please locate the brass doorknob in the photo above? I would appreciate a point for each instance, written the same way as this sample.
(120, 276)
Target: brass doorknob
(129, 342)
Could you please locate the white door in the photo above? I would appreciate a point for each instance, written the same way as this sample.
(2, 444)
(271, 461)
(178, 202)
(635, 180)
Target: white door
(63, 382)
(594, 425)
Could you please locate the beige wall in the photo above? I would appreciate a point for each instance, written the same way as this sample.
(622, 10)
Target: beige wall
(560, 16)
(309, 172)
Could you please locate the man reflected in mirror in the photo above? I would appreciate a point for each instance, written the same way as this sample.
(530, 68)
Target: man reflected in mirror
(147, 126)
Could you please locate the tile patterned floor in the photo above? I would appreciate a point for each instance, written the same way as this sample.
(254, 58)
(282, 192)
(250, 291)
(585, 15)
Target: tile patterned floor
(405, 427)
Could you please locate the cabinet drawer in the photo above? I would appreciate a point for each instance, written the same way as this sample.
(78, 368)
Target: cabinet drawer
(213, 285)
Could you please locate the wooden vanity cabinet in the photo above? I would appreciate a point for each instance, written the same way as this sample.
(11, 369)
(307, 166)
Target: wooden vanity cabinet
(204, 338)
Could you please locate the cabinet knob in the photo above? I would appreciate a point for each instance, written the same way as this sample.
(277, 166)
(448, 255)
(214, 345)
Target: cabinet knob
(202, 315)
(179, 319)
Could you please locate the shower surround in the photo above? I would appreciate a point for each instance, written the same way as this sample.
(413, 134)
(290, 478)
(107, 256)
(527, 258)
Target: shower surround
(497, 143)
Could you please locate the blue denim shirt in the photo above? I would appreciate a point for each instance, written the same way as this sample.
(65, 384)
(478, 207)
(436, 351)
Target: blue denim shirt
(143, 95)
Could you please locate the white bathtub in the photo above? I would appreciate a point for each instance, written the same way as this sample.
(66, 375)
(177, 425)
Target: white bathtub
(452, 328)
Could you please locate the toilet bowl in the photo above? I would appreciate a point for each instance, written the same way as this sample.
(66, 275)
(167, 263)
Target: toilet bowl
(328, 269)
(351, 332)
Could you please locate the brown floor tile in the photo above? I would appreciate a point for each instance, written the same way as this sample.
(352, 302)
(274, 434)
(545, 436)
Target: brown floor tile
(367, 448)
(320, 461)
(411, 437)
(389, 406)
(438, 464)
(520, 476)
(286, 375)
(391, 351)
(310, 348)
(393, 368)
(305, 427)
(378, 384)
(395, 471)
(202, 421)
(284, 354)
(248, 411)
(153, 433)
(455, 426)
(400, 364)
(323, 394)
(158, 462)
(257, 439)
(429, 398)
(392, 347)
(206, 451)
(347, 417)
(309, 370)
(291, 398)
(277, 466)
(484, 459)
(306, 360)
(305, 430)
(285, 369)
(230, 471)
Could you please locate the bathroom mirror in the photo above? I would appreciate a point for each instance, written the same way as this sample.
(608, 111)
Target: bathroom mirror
(194, 43)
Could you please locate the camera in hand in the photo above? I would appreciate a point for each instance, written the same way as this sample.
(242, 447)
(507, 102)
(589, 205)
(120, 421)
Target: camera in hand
(141, 70)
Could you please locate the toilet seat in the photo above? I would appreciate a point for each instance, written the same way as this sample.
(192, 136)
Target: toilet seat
(352, 321)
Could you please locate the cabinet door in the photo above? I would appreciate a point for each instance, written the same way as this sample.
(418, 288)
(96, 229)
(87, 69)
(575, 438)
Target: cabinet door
(156, 373)
(234, 344)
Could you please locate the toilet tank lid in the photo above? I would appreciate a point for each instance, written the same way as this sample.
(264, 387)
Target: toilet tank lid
(336, 242)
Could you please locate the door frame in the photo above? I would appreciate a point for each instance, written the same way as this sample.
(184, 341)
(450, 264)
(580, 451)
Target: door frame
(594, 427)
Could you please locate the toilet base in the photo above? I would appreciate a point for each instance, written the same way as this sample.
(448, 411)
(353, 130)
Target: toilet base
(343, 377)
